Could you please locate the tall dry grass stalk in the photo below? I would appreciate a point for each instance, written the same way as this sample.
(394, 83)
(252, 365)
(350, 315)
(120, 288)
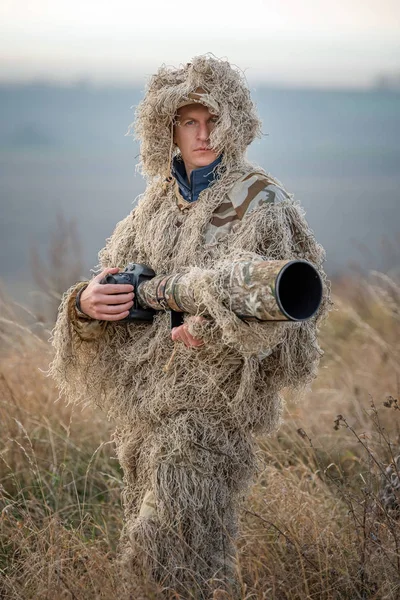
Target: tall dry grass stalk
(61, 267)
(321, 521)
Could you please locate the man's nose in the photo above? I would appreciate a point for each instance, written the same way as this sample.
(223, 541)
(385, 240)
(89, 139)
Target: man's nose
(203, 131)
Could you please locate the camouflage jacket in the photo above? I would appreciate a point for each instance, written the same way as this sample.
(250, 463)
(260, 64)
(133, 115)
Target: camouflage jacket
(250, 191)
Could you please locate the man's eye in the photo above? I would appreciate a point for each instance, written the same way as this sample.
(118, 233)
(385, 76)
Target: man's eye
(189, 122)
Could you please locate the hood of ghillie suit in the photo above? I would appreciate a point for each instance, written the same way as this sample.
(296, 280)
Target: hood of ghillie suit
(210, 81)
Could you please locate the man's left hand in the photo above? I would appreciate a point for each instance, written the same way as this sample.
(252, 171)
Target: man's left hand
(181, 334)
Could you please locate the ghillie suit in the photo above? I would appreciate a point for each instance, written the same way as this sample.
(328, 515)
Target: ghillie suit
(186, 421)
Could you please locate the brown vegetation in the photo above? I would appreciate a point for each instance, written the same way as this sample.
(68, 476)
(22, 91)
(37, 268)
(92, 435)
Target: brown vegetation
(315, 524)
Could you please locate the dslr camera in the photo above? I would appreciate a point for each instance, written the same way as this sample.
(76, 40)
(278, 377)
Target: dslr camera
(134, 274)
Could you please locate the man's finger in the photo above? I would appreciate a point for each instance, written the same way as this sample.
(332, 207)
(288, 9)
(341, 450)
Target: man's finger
(177, 334)
(116, 288)
(190, 339)
(111, 309)
(182, 335)
(174, 334)
(114, 299)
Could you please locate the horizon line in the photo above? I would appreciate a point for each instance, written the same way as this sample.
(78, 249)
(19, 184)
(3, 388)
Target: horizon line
(378, 83)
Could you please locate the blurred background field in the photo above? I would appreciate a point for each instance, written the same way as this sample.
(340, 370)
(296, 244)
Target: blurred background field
(322, 520)
(63, 150)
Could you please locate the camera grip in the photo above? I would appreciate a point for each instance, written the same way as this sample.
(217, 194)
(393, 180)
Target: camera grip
(134, 274)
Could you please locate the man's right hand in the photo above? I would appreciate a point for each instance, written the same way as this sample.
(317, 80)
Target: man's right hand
(107, 301)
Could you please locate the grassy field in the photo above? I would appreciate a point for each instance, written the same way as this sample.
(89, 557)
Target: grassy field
(320, 521)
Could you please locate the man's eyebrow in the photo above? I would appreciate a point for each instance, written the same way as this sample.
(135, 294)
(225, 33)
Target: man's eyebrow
(193, 117)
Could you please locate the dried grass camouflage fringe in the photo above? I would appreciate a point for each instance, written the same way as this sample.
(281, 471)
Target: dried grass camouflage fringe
(185, 435)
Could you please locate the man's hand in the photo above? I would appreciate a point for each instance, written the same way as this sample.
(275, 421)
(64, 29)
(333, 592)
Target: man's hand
(107, 301)
(181, 334)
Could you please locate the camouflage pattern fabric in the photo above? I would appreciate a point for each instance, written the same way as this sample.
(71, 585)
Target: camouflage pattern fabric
(249, 192)
(249, 288)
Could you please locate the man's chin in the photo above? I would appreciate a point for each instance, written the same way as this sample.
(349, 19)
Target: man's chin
(202, 159)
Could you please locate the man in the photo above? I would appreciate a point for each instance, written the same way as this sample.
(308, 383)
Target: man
(188, 403)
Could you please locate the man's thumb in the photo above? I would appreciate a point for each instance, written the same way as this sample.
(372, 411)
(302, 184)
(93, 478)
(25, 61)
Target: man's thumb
(111, 270)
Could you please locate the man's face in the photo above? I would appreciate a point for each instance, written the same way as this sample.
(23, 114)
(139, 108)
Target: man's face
(192, 134)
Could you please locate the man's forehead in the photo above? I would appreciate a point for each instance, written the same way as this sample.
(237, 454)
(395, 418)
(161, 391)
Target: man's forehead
(193, 110)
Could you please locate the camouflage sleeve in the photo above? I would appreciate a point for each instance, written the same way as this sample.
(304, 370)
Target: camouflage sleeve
(250, 191)
(87, 328)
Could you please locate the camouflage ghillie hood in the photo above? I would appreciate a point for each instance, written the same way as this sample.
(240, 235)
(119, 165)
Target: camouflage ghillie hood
(186, 417)
(222, 89)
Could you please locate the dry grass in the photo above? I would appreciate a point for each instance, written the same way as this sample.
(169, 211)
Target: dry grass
(314, 525)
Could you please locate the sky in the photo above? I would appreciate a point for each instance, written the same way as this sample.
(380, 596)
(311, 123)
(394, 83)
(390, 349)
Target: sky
(291, 42)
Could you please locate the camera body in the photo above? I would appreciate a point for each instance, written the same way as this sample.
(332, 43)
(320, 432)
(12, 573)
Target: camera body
(134, 274)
